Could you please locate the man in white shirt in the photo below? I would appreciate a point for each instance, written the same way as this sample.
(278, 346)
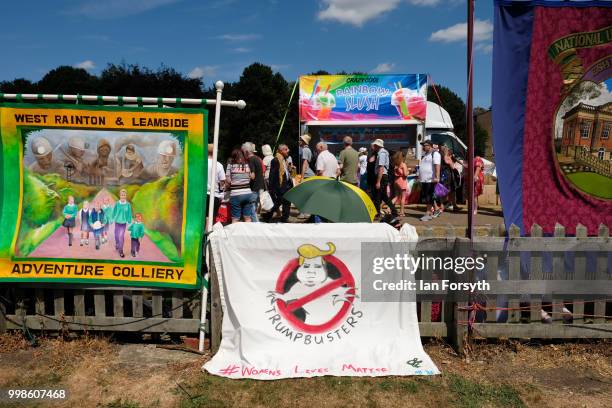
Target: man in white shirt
(429, 176)
(220, 181)
(327, 164)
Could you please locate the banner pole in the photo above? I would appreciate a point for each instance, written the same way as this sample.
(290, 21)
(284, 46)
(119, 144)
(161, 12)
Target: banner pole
(470, 119)
(209, 222)
(285, 117)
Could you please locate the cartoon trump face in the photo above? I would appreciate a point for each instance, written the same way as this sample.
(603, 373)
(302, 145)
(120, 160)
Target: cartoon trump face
(313, 270)
(312, 275)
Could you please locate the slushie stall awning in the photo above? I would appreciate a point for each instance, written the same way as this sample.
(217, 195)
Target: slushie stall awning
(365, 107)
(365, 100)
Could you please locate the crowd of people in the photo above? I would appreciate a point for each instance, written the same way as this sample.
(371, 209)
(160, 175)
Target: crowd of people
(248, 178)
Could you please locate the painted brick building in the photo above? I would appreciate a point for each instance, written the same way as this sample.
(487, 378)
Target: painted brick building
(485, 120)
(590, 127)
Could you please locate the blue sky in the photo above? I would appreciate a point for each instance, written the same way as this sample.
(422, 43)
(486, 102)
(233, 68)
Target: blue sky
(217, 39)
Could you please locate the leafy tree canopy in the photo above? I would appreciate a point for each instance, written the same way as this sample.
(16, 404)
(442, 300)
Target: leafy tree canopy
(267, 95)
(456, 108)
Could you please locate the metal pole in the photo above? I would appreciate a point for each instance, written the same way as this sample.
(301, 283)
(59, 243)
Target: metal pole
(124, 99)
(209, 223)
(470, 120)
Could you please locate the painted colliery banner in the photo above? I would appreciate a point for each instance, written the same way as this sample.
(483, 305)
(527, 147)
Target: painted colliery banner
(106, 195)
(363, 98)
(292, 303)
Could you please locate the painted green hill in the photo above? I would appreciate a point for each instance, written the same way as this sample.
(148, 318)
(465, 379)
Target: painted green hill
(44, 197)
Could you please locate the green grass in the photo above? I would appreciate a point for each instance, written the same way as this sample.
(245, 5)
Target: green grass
(43, 201)
(470, 394)
(592, 183)
(161, 205)
(325, 391)
(32, 238)
(164, 242)
(121, 403)
(449, 390)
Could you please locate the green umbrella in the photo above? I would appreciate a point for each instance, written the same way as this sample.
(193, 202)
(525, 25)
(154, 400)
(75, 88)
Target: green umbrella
(334, 200)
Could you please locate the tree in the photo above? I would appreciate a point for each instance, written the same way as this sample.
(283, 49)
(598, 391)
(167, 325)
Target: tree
(120, 80)
(134, 80)
(68, 80)
(454, 106)
(19, 85)
(266, 95)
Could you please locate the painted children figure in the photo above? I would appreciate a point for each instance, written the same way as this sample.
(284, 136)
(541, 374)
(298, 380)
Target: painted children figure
(136, 232)
(70, 212)
(85, 228)
(121, 216)
(107, 208)
(97, 222)
(311, 275)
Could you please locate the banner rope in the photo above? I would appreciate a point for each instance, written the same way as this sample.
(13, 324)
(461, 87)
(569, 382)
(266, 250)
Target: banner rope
(475, 307)
(478, 306)
(285, 116)
(433, 85)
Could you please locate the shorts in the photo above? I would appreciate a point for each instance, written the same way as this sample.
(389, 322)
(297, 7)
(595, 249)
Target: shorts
(242, 205)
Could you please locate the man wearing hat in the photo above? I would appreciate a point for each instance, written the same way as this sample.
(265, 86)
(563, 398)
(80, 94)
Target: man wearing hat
(305, 155)
(429, 175)
(43, 153)
(166, 152)
(101, 168)
(75, 158)
(382, 178)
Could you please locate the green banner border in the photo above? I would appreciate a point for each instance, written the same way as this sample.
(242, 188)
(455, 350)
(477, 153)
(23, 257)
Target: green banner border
(195, 205)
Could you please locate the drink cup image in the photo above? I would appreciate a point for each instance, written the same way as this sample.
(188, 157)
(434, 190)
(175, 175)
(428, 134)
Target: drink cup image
(400, 99)
(308, 110)
(417, 106)
(325, 102)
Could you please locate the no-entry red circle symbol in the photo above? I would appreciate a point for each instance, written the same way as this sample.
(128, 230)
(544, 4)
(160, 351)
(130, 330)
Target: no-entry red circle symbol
(286, 310)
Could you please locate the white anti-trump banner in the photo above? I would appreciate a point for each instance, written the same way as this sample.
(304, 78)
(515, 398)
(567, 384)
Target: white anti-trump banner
(291, 301)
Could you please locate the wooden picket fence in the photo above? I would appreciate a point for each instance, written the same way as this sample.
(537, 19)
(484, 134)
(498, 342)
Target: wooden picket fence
(590, 317)
(110, 309)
